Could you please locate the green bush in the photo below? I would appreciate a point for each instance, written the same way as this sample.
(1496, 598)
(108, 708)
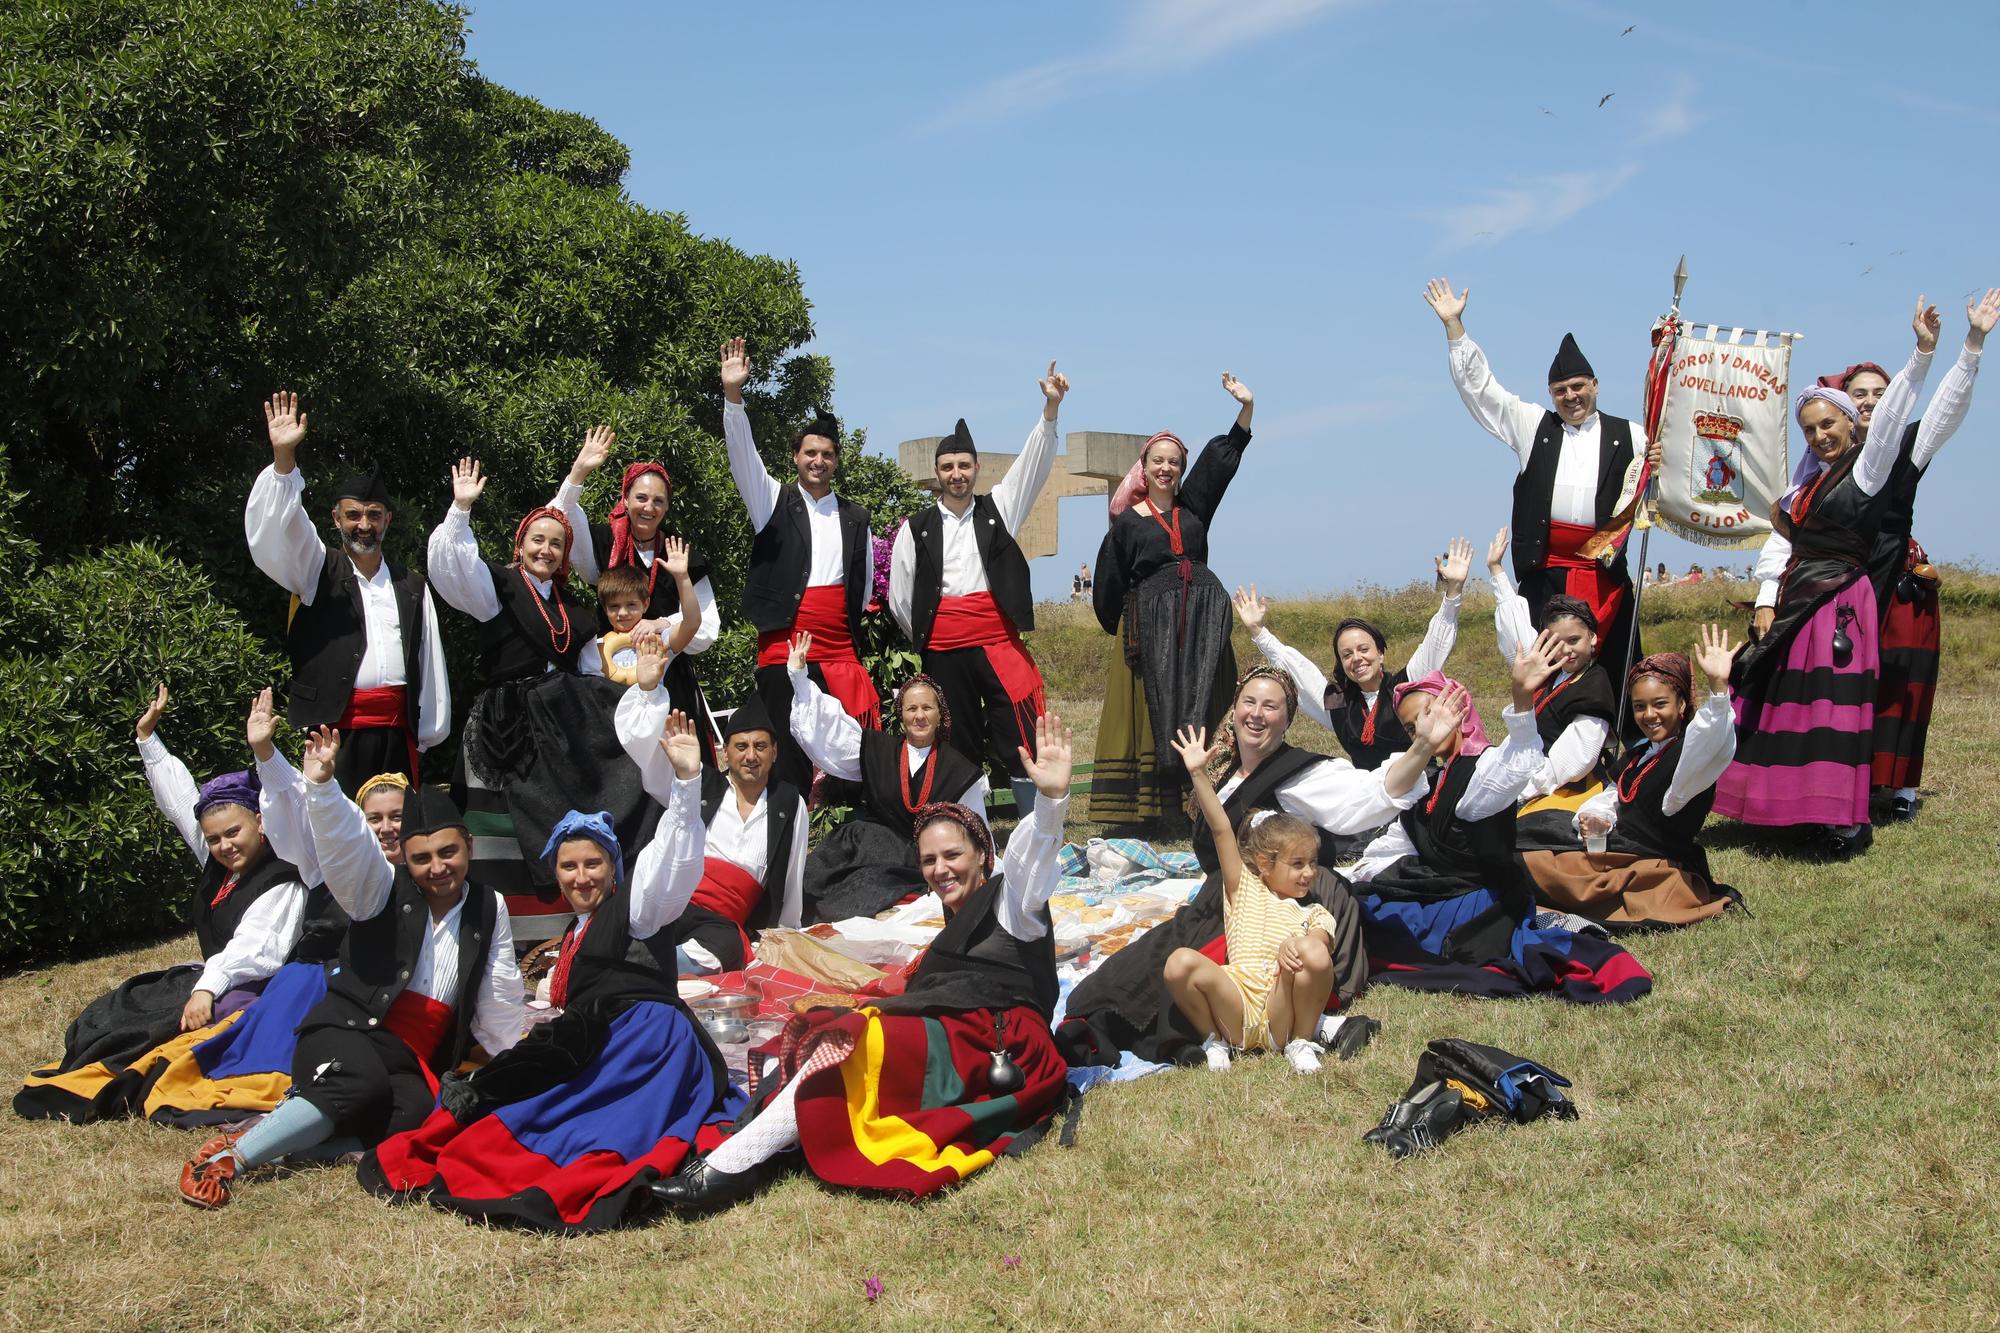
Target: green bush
(85, 859)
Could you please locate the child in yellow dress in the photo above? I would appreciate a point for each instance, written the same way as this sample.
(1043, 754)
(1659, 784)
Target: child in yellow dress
(1270, 994)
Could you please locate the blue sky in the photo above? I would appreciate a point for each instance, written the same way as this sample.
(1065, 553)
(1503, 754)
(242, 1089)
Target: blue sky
(1156, 191)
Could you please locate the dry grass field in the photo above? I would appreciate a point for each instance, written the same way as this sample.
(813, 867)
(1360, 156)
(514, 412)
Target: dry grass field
(1796, 1130)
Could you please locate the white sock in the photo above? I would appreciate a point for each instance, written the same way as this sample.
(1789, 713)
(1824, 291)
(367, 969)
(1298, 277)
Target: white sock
(769, 1133)
(1216, 1051)
(1329, 1028)
(1302, 1055)
(1907, 793)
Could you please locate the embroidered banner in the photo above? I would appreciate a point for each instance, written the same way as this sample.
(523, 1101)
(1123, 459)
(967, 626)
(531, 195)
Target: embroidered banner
(1723, 428)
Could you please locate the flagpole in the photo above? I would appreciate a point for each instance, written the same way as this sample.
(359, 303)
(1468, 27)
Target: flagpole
(1652, 506)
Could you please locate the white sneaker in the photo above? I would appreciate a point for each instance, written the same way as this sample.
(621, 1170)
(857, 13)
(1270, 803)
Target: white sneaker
(1216, 1051)
(1302, 1055)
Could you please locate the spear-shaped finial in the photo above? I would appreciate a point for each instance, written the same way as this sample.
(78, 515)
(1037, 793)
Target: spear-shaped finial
(1680, 282)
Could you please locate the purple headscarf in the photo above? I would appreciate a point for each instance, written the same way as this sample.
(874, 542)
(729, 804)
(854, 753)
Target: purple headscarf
(1471, 732)
(1809, 465)
(237, 788)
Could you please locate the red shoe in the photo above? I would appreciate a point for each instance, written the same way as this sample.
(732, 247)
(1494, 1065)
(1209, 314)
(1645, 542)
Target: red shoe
(219, 1144)
(208, 1184)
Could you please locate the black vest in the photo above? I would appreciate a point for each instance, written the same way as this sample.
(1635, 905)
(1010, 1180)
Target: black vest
(1842, 521)
(1535, 486)
(975, 964)
(1259, 791)
(1455, 856)
(1000, 555)
(380, 953)
(1588, 694)
(882, 771)
(1644, 828)
(518, 643)
(1348, 707)
(327, 638)
(781, 813)
(781, 560)
(611, 971)
(215, 926)
(1899, 516)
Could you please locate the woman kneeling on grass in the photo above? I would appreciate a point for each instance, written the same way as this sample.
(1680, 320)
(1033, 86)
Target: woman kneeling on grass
(1280, 971)
(918, 1091)
(1650, 870)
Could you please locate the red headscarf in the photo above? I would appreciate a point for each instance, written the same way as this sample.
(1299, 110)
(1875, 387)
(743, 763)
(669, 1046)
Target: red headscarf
(623, 550)
(569, 537)
(950, 812)
(1674, 669)
(1840, 381)
(1471, 732)
(1131, 488)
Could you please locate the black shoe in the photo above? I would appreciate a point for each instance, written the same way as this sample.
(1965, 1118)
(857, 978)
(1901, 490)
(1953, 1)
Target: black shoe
(1900, 810)
(1355, 1032)
(1418, 1123)
(700, 1188)
(1842, 846)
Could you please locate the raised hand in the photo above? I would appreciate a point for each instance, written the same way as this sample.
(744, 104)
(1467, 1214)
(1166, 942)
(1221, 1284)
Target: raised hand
(735, 368)
(1454, 565)
(1237, 389)
(150, 719)
(591, 454)
(652, 666)
(261, 725)
(1496, 551)
(1251, 609)
(1448, 308)
(467, 483)
(1055, 753)
(1443, 719)
(683, 749)
(1191, 744)
(286, 426)
(1714, 655)
(802, 646)
(1926, 324)
(1053, 389)
(676, 556)
(1533, 666)
(322, 748)
(1980, 317)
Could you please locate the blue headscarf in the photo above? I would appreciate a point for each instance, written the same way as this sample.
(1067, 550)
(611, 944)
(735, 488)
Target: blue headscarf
(237, 788)
(597, 828)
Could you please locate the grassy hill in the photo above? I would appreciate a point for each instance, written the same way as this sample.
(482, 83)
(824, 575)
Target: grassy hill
(1795, 1130)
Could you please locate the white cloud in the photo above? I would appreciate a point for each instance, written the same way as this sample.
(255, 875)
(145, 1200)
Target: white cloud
(1675, 117)
(1535, 205)
(1157, 37)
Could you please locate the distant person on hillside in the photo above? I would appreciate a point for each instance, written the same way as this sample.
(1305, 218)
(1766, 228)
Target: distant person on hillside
(1571, 486)
(958, 585)
(1173, 665)
(1693, 575)
(1356, 708)
(1658, 575)
(1083, 575)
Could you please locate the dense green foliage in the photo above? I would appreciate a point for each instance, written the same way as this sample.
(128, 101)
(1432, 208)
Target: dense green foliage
(208, 200)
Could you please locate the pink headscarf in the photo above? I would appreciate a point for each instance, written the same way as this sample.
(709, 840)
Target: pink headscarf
(1131, 488)
(1472, 732)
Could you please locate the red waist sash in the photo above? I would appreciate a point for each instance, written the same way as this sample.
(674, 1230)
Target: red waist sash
(727, 889)
(387, 706)
(823, 614)
(1583, 577)
(975, 621)
(422, 1023)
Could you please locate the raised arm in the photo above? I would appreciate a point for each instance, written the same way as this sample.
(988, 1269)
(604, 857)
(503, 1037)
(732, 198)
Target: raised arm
(1016, 493)
(1251, 610)
(640, 720)
(1502, 415)
(590, 456)
(455, 569)
(1206, 481)
(1512, 624)
(682, 627)
(1502, 772)
(357, 874)
(1954, 392)
(1030, 869)
(1899, 403)
(1403, 779)
(754, 483)
(174, 789)
(829, 737)
(1441, 635)
(1709, 743)
(668, 869)
(1191, 743)
(283, 542)
(281, 797)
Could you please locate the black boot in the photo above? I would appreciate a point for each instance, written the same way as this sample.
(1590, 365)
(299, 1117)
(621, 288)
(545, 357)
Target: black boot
(1420, 1122)
(700, 1188)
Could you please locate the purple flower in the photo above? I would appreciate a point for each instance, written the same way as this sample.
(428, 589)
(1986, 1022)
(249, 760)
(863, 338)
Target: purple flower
(873, 1286)
(1010, 1261)
(883, 550)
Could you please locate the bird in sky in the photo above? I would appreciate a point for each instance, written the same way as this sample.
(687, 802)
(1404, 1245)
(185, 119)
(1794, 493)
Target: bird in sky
(1602, 100)
(1847, 242)
(1628, 31)
(1545, 111)
(1866, 271)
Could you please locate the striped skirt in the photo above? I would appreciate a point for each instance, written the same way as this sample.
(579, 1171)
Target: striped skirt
(1805, 741)
(1906, 687)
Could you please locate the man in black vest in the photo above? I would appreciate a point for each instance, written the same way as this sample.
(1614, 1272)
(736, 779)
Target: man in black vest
(426, 970)
(363, 637)
(811, 566)
(1576, 485)
(958, 585)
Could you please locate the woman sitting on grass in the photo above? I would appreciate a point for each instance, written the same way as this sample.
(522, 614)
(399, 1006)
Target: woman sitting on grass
(1650, 869)
(1271, 992)
(1355, 708)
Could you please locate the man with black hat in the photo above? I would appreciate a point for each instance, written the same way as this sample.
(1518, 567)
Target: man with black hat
(1576, 486)
(427, 969)
(363, 636)
(958, 585)
(753, 875)
(811, 566)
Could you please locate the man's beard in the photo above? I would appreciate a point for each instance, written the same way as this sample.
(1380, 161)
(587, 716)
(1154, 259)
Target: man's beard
(361, 544)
